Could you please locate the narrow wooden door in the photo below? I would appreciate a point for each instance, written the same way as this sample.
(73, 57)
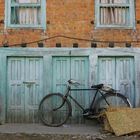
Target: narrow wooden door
(125, 77)
(118, 72)
(16, 92)
(65, 68)
(25, 89)
(33, 83)
(80, 72)
(106, 71)
(61, 73)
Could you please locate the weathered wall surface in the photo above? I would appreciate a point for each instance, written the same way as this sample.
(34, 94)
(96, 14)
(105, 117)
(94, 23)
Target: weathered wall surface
(73, 18)
(70, 18)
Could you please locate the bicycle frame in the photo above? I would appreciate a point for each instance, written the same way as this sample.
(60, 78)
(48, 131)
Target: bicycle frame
(83, 89)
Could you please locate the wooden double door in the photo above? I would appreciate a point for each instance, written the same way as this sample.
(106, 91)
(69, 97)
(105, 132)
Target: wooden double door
(25, 89)
(118, 72)
(77, 68)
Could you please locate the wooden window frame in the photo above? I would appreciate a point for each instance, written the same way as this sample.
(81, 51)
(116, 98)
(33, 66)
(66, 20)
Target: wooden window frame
(131, 6)
(8, 24)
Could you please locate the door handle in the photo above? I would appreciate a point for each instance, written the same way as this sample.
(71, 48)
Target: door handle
(29, 82)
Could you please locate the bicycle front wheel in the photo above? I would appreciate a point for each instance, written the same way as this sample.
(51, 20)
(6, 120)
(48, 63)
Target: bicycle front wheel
(53, 110)
(113, 100)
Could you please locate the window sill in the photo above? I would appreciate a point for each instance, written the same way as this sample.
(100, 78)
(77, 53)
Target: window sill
(116, 27)
(25, 27)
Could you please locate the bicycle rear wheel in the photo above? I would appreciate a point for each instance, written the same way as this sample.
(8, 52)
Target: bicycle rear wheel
(114, 100)
(53, 111)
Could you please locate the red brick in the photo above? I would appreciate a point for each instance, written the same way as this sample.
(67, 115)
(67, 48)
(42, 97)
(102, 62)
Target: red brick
(70, 18)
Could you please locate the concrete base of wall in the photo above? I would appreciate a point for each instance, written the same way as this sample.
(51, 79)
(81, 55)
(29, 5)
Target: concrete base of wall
(48, 137)
(41, 132)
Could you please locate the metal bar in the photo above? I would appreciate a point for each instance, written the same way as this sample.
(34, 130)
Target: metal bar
(91, 105)
(75, 101)
(83, 89)
(29, 82)
(104, 97)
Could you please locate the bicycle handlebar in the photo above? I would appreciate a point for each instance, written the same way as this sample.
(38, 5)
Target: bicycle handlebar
(73, 82)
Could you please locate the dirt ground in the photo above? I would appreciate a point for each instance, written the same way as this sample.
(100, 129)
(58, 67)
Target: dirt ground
(123, 138)
(64, 137)
(127, 137)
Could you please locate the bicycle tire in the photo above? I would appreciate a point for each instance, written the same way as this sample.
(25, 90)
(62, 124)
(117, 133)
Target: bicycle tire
(114, 100)
(47, 113)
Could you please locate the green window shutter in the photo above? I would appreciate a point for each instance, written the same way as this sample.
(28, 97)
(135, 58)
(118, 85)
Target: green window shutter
(114, 14)
(25, 13)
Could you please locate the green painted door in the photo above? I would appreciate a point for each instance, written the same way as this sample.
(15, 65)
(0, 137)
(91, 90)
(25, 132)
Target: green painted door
(25, 89)
(125, 77)
(65, 68)
(118, 72)
(107, 71)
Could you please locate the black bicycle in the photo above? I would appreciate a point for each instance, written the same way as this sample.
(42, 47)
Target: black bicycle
(55, 108)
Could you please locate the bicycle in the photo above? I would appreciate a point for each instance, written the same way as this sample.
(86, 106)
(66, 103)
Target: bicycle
(54, 104)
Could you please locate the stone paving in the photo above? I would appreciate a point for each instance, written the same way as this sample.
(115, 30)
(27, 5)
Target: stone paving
(65, 132)
(42, 129)
(39, 131)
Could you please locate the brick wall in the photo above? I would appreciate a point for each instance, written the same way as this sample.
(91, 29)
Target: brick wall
(73, 18)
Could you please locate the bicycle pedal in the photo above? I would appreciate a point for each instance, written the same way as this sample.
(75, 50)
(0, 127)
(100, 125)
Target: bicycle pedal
(93, 117)
(87, 114)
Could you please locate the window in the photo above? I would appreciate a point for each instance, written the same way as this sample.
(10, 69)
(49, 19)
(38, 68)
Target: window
(115, 13)
(26, 13)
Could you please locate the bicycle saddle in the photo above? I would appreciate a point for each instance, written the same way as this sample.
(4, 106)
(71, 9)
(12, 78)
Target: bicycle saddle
(99, 86)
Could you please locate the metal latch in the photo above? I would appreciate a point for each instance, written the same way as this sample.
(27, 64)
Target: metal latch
(29, 82)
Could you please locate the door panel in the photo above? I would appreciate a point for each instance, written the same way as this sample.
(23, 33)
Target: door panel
(65, 68)
(33, 88)
(79, 72)
(15, 90)
(107, 71)
(125, 77)
(61, 73)
(118, 72)
(24, 89)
